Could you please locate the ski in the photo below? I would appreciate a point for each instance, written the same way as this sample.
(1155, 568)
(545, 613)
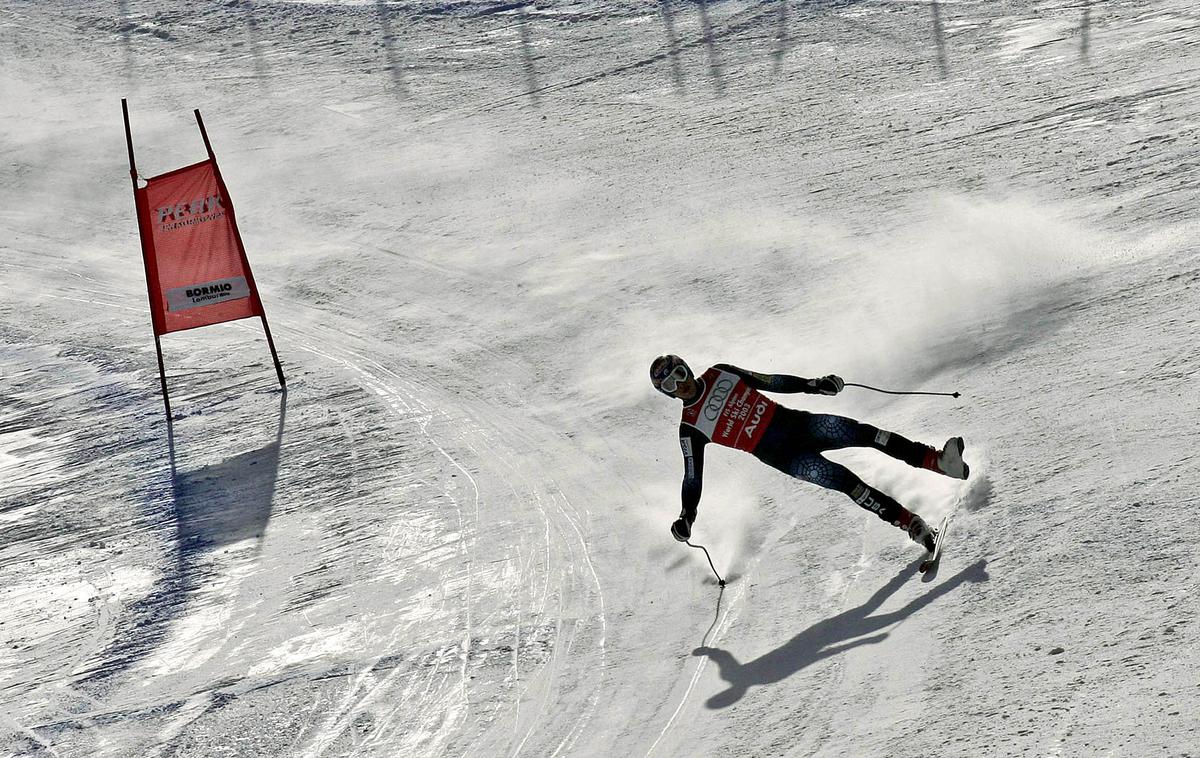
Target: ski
(932, 561)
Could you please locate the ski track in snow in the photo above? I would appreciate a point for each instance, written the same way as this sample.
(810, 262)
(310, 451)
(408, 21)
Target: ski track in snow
(388, 385)
(474, 224)
(366, 690)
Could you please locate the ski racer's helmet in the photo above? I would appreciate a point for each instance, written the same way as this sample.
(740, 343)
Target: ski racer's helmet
(667, 372)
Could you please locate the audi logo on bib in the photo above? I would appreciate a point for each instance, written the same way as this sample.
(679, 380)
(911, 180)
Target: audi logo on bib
(716, 399)
(731, 412)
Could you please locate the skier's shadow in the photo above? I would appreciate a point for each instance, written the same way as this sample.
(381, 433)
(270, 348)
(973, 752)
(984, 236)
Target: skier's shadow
(830, 637)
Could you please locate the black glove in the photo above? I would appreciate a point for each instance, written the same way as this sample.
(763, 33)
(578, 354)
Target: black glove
(826, 385)
(681, 530)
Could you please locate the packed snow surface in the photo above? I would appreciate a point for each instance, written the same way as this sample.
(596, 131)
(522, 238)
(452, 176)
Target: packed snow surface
(474, 223)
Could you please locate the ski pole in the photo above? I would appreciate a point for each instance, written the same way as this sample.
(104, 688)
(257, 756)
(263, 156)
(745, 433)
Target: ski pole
(894, 392)
(720, 581)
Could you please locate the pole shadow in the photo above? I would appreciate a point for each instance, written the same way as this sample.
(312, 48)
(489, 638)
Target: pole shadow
(1085, 31)
(824, 639)
(782, 40)
(260, 65)
(394, 65)
(737, 23)
(214, 507)
(532, 87)
(939, 39)
(668, 19)
(126, 29)
(715, 68)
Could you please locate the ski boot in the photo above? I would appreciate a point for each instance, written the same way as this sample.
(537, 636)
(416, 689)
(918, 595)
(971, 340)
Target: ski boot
(948, 460)
(921, 533)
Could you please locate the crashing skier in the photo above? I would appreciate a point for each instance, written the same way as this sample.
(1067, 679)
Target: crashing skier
(725, 405)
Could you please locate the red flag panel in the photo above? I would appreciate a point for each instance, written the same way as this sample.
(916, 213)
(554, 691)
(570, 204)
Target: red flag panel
(198, 273)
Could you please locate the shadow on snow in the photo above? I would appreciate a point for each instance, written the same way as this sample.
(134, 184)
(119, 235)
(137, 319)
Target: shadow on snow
(215, 508)
(845, 631)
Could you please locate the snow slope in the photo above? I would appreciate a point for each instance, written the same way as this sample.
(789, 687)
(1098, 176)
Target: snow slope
(474, 224)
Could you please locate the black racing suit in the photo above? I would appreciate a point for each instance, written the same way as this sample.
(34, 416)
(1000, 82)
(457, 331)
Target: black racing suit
(793, 443)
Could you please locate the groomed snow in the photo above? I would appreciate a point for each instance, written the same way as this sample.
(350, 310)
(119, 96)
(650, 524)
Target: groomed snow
(474, 223)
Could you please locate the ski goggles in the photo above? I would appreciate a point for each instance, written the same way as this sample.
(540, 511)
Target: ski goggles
(670, 382)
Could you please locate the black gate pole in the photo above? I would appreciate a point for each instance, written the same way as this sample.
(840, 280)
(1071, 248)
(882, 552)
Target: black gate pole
(262, 312)
(274, 355)
(162, 372)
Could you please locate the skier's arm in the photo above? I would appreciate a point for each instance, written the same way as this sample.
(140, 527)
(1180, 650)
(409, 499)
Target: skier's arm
(786, 383)
(692, 443)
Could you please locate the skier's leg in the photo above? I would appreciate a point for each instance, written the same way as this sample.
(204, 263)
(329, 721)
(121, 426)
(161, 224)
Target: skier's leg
(835, 432)
(790, 451)
(815, 468)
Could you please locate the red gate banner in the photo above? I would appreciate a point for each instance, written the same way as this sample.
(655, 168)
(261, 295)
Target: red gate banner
(196, 266)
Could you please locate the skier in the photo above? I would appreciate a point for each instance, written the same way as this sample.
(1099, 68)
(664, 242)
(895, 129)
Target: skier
(724, 405)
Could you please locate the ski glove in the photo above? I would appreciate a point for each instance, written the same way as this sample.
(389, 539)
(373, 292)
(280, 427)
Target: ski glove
(826, 385)
(681, 530)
